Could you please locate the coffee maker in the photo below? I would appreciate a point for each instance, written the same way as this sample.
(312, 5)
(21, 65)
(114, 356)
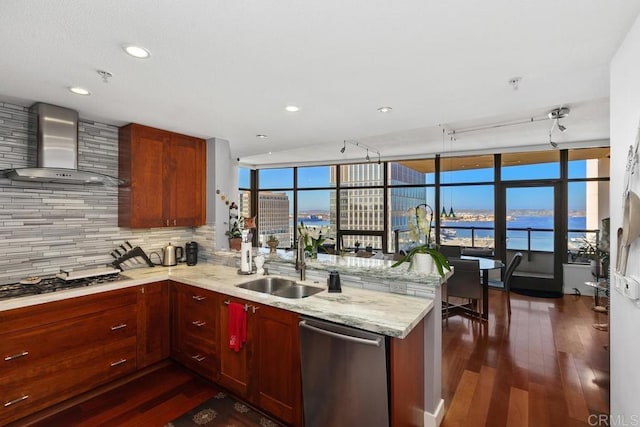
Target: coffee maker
(191, 250)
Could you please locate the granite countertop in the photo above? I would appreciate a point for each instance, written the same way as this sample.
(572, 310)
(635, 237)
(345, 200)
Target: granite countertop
(388, 314)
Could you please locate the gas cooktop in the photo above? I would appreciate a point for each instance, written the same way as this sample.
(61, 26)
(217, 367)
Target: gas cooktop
(53, 284)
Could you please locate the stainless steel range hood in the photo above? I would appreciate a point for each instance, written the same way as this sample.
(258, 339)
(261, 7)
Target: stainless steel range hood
(55, 148)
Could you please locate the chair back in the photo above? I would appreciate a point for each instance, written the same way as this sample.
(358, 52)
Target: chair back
(513, 264)
(450, 251)
(465, 281)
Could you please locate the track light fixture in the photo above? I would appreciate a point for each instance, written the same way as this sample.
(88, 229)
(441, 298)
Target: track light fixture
(555, 115)
(364, 147)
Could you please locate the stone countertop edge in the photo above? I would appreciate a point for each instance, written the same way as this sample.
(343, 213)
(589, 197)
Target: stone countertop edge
(388, 314)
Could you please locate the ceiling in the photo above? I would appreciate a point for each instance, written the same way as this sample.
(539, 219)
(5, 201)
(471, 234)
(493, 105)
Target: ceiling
(227, 69)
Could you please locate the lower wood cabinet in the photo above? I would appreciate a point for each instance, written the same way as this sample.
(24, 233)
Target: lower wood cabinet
(266, 370)
(57, 350)
(195, 329)
(154, 334)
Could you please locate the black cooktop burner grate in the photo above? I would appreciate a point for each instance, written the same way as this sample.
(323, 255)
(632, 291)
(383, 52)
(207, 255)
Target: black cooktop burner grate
(53, 284)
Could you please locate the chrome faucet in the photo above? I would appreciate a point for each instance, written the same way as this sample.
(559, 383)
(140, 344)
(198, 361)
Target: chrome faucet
(300, 263)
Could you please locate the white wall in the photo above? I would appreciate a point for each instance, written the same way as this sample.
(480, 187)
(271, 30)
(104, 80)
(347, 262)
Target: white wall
(222, 174)
(625, 315)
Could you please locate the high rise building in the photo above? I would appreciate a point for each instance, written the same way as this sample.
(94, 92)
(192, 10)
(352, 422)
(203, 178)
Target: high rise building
(362, 209)
(274, 217)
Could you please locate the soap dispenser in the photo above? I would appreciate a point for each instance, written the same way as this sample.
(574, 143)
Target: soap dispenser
(334, 282)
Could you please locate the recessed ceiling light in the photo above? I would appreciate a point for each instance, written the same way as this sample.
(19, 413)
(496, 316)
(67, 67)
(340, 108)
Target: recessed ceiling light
(79, 91)
(137, 51)
(269, 152)
(291, 108)
(384, 109)
(261, 136)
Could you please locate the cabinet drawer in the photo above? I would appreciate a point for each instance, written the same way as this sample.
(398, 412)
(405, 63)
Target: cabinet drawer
(40, 315)
(198, 303)
(200, 359)
(54, 342)
(46, 383)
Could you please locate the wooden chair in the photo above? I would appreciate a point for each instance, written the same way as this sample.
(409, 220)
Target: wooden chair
(464, 283)
(513, 264)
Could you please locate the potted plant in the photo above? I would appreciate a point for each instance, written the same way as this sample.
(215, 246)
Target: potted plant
(357, 245)
(422, 255)
(273, 243)
(234, 233)
(312, 238)
(598, 258)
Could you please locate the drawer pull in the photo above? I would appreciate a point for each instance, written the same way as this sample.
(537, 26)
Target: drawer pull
(198, 297)
(18, 400)
(198, 358)
(16, 356)
(120, 326)
(119, 362)
(199, 323)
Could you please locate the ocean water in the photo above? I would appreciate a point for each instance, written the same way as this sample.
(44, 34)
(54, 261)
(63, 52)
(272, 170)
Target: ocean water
(516, 239)
(540, 240)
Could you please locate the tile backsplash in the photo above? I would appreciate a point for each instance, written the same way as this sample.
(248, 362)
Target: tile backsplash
(46, 226)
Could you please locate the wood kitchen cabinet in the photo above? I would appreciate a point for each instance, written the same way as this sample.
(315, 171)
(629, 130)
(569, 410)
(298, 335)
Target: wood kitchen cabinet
(266, 370)
(195, 329)
(153, 323)
(164, 174)
(57, 350)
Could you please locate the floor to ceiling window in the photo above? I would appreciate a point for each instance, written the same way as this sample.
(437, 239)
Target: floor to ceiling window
(362, 205)
(467, 201)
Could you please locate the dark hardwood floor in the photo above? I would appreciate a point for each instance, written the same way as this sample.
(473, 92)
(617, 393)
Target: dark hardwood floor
(547, 367)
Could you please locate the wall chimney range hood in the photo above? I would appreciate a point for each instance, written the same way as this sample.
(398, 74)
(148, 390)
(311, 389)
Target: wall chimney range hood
(53, 142)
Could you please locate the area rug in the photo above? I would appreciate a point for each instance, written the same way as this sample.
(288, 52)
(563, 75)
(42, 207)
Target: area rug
(223, 410)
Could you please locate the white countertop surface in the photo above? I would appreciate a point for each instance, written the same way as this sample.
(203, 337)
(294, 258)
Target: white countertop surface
(388, 314)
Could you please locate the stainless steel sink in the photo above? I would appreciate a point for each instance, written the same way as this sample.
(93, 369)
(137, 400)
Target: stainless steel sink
(280, 287)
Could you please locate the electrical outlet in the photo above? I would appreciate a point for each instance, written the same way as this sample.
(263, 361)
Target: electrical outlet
(618, 282)
(631, 288)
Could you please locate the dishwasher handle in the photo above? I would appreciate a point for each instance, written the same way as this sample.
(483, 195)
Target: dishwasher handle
(376, 342)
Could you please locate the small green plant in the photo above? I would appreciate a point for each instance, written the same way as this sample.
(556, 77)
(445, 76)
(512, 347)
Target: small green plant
(234, 229)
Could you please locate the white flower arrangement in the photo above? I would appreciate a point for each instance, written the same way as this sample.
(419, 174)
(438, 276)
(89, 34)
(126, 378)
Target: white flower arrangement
(313, 237)
(420, 219)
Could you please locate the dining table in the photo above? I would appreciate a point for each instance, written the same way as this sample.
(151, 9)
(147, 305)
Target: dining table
(486, 265)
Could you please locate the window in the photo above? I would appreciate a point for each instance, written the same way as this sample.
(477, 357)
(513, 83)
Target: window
(532, 165)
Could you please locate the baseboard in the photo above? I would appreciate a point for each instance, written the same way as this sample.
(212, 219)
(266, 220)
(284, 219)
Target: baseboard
(434, 420)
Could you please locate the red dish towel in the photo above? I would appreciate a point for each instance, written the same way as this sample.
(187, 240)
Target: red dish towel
(237, 326)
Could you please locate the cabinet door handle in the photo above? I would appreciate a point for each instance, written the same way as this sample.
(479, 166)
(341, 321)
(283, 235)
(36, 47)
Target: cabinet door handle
(198, 297)
(120, 326)
(119, 362)
(174, 222)
(16, 356)
(167, 222)
(18, 400)
(199, 323)
(198, 358)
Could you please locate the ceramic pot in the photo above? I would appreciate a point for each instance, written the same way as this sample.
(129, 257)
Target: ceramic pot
(422, 263)
(235, 243)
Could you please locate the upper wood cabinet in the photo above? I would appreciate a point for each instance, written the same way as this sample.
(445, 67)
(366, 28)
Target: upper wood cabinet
(164, 175)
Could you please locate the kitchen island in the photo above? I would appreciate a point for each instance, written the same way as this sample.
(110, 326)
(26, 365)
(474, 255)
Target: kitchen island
(392, 315)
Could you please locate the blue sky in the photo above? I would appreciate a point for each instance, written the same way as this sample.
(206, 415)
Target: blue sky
(467, 197)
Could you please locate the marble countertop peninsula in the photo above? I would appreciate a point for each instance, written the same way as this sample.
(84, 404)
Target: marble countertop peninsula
(388, 314)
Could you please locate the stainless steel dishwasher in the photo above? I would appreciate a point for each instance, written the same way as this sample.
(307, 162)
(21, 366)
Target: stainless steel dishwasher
(344, 375)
